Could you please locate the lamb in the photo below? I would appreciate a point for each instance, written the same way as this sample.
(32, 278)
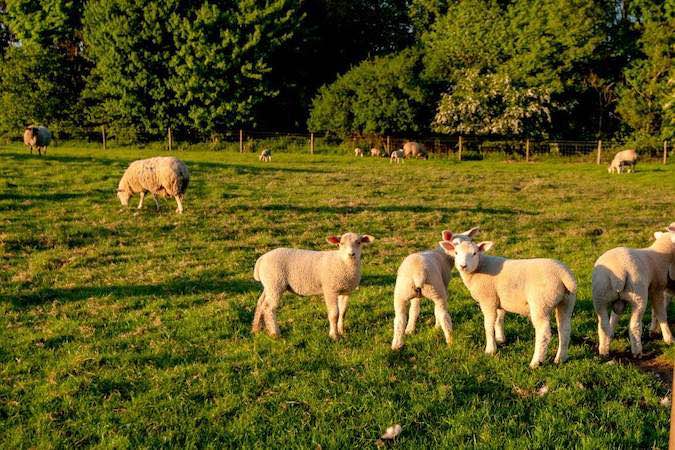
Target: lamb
(358, 152)
(670, 291)
(164, 176)
(529, 287)
(425, 274)
(37, 138)
(625, 158)
(632, 276)
(266, 155)
(414, 149)
(375, 152)
(333, 273)
(396, 156)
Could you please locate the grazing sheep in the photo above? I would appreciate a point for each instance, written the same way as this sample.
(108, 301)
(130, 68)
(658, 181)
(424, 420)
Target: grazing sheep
(396, 156)
(164, 176)
(414, 149)
(358, 152)
(37, 138)
(266, 155)
(375, 152)
(333, 273)
(425, 274)
(529, 287)
(632, 276)
(624, 159)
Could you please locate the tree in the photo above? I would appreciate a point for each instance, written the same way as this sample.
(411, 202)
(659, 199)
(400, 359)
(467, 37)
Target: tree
(492, 105)
(382, 95)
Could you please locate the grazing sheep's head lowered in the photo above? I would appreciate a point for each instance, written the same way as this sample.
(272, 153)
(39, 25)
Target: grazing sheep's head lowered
(349, 245)
(466, 253)
(124, 196)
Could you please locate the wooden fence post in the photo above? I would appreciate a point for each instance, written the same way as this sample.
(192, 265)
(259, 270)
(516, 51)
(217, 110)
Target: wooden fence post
(460, 148)
(170, 138)
(241, 140)
(597, 160)
(311, 143)
(665, 152)
(388, 145)
(103, 136)
(527, 150)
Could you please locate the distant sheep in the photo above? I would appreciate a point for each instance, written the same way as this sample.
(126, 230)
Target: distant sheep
(333, 273)
(625, 159)
(163, 176)
(266, 155)
(396, 156)
(358, 152)
(623, 276)
(37, 138)
(415, 150)
(529, 287)
(375, 152)
(425, 274)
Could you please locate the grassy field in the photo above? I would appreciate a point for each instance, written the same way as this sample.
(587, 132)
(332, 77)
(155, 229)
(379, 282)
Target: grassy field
(132, 329)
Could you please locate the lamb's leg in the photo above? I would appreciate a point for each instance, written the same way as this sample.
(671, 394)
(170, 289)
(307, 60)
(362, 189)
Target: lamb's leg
(499, 326)
(613, 322)
(258, 315)
(414, 314)
(439, 296)
(660, 312)
(489, 318)
(270, 312)
(343, 301)
(563, 317)
(654, 324)
(155, 199)
(179, 201)
(400, 320)
(601, 306)
(638, 303)
(542, 333)
(140, 202)
(331, 299)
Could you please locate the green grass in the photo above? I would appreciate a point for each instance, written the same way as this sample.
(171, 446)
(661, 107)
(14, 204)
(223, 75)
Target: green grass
(120, 329)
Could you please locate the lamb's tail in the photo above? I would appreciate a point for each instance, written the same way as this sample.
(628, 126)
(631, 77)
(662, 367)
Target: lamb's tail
(568, 280)
(606, 288)
(418, 281)
(256, 270)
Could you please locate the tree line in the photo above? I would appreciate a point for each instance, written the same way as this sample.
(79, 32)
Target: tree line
(575, 69)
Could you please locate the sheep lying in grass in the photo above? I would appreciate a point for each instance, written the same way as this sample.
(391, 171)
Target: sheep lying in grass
(163, 176)
(37, 138)
(625, 159)
(396, 156)
(529, 287)
(425, 274)
(266, 155)
(358, 152)
(632, 276)
(334, 273)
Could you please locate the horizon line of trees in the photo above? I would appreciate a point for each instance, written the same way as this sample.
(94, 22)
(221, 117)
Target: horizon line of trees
(560, 69)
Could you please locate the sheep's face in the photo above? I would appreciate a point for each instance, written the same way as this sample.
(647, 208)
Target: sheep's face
(124, 196)
(350, 244)
(466, 253)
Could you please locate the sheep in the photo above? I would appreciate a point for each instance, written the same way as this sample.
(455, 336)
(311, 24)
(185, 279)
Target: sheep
(396, 156)
(165, 176)
(37, 137)
(414, 149)
(375, 152)
(266, 155)
(625, 158)
(670, 290)
(632, 276)
(333, 273)
(425, 274)
(358, 152)
(529, 287)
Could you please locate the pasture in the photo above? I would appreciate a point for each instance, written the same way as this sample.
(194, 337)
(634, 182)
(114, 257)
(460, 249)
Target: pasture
(123, 329)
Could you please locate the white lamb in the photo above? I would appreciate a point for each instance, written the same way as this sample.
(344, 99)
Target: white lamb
(375, 152)
(623, 159)
(670, 290)
(529, 287)
(358, 152)
(396, 156)
(425, 274)
(632, 276)
(266, 155)
(165, 176)
(333, 273)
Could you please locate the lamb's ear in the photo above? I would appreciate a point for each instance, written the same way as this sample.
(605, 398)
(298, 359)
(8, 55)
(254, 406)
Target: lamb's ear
(333, 240)
(485, 246)
(472, 232)
(446, 235)
(658, 234)
(448, 247)
(367, 239)
(671, 227)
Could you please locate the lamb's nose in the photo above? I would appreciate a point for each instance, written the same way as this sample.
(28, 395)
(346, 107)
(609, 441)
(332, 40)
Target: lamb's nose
(462, 266)
(352, 254)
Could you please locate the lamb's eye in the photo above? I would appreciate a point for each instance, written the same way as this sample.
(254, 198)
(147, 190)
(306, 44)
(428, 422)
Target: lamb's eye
(474, 253)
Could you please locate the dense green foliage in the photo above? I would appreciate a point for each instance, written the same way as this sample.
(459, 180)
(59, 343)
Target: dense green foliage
(126, 329)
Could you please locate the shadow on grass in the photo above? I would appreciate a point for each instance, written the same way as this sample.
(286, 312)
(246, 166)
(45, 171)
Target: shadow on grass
(176, 287)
